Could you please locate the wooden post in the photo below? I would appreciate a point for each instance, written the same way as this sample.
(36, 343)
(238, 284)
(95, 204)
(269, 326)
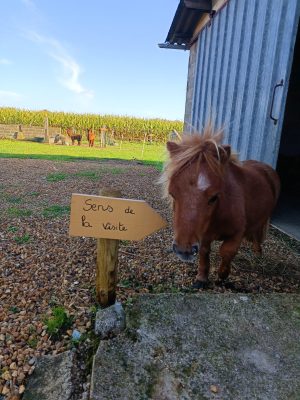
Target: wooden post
(143, 149)
(107, 263)
(46, 130)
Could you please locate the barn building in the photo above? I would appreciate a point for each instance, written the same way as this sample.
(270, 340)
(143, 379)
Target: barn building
(244, 72)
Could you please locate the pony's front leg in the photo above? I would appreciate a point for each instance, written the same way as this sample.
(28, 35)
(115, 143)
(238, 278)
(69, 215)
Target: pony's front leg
(204, 264)
(228, 250)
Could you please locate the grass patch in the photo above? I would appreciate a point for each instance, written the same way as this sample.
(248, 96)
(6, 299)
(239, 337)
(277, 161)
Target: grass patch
(14, 199)
(18, 212)
(55, 211)
(14, 309)
(88, 174)
(58, 323)
(12, 229)
(94, 175)
(56, 177)
(125, 283)
(22, 239)
(34, 194)
(154, 154)
(33, 342)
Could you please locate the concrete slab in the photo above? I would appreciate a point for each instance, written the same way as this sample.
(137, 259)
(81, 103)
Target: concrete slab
(52, 378)
(203, 346)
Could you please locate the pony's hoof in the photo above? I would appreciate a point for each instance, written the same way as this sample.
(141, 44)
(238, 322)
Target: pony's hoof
(200, 285)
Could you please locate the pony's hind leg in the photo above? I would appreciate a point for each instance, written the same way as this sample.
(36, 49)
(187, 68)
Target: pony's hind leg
(228, 250)
(203, 269)
(259, 237)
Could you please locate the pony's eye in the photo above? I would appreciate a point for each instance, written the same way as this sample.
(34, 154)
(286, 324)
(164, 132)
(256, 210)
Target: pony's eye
(213, 199)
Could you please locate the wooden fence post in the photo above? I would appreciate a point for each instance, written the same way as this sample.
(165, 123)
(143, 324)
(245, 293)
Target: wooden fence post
(46, 130)
(107, 263)
(143, 149)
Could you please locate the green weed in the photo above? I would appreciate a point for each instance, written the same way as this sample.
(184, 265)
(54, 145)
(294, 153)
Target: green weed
(31, 329)
(12, 229)
(125, 283)
(55, 211)
(88, 174)
(59, 322)
(56, 177)
(94, 309)
(115, 171)
(33, 343)
(18, 212)
(14, 199)
(22, 239)
(14, 309)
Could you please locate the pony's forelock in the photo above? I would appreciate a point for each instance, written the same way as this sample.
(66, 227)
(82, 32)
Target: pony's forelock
(192, 148)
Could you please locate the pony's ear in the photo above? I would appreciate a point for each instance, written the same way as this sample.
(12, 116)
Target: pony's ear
(226, 153)
(173, 148)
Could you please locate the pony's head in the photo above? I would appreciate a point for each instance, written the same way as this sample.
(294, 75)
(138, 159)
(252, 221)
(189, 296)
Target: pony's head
(193, 179)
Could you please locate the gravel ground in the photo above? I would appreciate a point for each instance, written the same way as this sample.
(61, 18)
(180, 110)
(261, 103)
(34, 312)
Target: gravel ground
(42, 267)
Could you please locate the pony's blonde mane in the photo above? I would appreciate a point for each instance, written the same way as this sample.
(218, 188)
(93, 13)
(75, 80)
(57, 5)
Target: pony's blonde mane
(197, 147)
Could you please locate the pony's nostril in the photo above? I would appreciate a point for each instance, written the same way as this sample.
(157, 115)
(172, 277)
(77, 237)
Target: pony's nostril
(195, 249)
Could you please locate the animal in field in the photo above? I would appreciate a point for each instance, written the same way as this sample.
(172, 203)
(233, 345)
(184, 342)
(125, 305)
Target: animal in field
(61, 139)
(216, 197)
(91, 137)
(74, 136)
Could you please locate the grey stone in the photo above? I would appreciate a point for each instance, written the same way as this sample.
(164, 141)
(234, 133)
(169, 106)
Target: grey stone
(52, 378)
(76, 335)
(110, 321)
(203, 346)
(32, 361)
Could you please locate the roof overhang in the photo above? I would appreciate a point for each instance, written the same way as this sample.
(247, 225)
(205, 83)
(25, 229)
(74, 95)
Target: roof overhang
(186, 18)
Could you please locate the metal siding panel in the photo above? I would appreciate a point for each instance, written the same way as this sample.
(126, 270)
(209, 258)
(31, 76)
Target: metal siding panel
(234, 70)
(206, 111)
(257, 35)
(243, 68)
(201, 46)
(227, 21)
(205, 71)
(222, 21)
(241, 56)
(217, 67)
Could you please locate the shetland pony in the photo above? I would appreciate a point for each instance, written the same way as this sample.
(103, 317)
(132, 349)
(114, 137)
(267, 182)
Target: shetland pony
(73, 136)
(216, 197)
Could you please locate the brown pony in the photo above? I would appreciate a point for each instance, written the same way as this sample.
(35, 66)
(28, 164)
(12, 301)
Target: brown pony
(73, 136)
(216, 197)
(91, 137)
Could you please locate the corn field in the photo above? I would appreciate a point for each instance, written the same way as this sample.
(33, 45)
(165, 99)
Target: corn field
(124, 127)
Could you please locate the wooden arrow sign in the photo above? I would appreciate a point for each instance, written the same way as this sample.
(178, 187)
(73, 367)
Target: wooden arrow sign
(112, 218)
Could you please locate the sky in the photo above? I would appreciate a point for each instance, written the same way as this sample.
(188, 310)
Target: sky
(97, 56)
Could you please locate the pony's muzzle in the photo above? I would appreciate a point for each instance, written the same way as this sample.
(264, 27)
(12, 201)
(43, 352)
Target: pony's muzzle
(187, 254)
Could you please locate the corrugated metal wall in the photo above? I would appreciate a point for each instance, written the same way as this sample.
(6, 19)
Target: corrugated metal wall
(234, 67)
